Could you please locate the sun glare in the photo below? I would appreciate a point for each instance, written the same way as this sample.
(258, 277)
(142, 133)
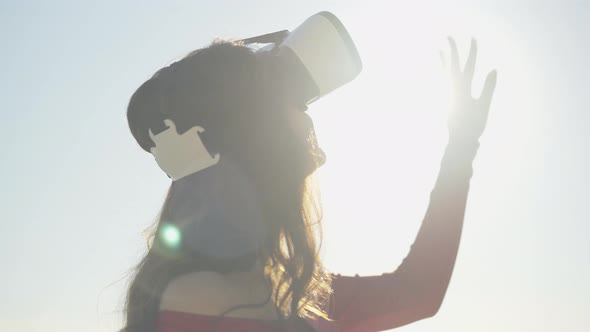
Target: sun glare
(384, 133)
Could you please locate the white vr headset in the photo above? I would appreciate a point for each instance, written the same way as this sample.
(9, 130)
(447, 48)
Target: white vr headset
(314, 59)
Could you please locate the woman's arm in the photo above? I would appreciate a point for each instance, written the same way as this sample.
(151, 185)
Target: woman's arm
(417, 287)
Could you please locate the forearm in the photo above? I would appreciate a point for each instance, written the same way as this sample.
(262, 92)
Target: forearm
(417, 287)
(431, 260)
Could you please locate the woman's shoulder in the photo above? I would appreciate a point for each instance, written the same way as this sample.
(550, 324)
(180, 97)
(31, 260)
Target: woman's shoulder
(187, 292)
(211, 293)
(173, 321)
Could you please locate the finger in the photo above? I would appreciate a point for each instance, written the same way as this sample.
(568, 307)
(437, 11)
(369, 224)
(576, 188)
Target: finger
(454, 57)
(488, 89)
(470, 65)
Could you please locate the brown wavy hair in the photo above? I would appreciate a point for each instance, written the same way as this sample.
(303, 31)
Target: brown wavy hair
(236, 94)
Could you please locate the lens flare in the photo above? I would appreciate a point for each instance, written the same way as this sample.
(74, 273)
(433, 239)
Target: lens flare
(170, 236)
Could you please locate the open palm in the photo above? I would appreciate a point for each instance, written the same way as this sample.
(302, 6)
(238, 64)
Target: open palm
(468, 116)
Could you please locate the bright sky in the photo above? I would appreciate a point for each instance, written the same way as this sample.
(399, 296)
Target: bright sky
(78, 191)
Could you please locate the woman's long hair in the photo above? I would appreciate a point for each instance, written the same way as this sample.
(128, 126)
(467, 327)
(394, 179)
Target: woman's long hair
(235, 95)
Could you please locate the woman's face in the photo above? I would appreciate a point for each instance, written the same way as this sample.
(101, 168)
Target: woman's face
(303, 129)
(300, 122)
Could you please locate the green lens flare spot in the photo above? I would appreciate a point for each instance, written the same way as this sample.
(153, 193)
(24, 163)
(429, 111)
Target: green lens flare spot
(170, 236)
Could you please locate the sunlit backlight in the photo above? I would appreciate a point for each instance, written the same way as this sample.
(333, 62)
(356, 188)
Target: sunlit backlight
(384, 133)
(170, 236)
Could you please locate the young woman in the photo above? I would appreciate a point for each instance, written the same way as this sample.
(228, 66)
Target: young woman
(258, 200)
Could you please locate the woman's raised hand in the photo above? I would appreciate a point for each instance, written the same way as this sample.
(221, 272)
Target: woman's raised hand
(468, 116)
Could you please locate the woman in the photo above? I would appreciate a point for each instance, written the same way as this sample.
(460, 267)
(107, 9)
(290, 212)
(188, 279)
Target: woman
(191, 280)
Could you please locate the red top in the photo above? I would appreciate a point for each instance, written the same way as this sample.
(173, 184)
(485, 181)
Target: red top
(414, 291)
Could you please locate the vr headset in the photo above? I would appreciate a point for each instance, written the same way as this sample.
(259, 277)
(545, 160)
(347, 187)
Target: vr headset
(314, 59)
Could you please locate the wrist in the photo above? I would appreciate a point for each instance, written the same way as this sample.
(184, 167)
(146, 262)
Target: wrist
(461, 150)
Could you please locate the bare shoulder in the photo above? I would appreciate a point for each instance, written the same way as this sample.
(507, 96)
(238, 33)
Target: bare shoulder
(203, 292)
(211, 293)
